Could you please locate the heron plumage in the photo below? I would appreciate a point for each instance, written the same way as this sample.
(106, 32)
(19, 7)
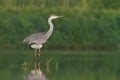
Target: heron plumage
(37, 38)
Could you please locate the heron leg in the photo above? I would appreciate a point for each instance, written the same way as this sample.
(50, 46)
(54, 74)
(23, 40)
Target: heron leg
(35, 54)
(38, 65)
(35, 65)
(39, 52)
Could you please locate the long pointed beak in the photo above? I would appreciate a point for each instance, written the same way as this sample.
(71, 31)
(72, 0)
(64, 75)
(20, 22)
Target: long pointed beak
(59, 16)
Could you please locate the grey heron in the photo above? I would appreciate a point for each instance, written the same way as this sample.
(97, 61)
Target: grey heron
(38, 39)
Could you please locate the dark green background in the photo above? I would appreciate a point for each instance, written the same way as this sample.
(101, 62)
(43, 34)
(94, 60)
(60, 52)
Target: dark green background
(86, 24)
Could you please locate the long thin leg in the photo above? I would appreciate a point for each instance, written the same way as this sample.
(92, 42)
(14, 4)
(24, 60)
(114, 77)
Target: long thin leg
(35, 65)
(39, 52)
(35, 54)
(39, 70)
(38, 65)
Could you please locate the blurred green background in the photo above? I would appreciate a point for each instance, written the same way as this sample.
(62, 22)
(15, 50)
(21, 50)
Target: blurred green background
(86, 24)
(84, 45)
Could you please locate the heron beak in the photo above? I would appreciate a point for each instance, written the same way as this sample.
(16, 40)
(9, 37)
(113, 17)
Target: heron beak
(58, 16)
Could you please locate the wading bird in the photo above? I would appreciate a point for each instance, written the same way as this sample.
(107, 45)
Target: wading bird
(38, 39)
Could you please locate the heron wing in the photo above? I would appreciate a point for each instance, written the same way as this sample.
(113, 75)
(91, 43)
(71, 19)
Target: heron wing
(35, 38)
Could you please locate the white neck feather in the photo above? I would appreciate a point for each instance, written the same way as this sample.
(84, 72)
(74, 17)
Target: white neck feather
(48, 34)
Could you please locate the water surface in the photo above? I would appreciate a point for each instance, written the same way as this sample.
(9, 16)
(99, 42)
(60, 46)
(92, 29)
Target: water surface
(62, 65)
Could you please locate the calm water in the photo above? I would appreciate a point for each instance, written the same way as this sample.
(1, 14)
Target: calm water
(62, 65)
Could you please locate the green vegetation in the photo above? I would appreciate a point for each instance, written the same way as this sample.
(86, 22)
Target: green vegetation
(86, 24)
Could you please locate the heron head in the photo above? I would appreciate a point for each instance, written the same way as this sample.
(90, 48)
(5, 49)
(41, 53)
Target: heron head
(54, 16)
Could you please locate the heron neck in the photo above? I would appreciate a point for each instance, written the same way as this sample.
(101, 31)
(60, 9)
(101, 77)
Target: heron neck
(51, 27)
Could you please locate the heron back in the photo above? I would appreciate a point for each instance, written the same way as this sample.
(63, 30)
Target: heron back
(37, 38)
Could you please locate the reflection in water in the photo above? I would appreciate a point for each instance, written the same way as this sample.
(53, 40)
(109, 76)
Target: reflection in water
(35, 75)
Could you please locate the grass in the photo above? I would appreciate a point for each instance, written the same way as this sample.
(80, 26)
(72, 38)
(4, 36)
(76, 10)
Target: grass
(65, 65)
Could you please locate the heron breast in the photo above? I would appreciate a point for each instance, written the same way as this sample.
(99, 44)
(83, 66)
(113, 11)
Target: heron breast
(36, 46)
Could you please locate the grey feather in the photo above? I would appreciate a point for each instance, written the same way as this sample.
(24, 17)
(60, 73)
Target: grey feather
(36, 38)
